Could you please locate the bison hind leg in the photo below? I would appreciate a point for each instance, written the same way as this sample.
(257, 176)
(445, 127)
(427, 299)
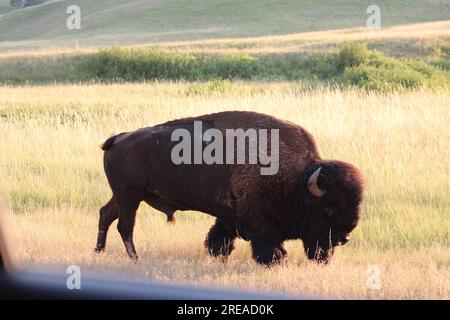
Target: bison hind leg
(108, 213)
(220, 240)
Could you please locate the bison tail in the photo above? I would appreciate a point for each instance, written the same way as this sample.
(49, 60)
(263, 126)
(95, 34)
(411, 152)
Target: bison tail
(109, 142)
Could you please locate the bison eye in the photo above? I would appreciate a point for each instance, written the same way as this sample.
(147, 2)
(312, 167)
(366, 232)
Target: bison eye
(330, 211)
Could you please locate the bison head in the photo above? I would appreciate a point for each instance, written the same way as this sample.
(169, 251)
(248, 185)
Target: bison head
(330, 207)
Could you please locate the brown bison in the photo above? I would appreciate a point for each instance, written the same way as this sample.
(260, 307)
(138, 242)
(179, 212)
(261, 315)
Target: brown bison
(303, 197)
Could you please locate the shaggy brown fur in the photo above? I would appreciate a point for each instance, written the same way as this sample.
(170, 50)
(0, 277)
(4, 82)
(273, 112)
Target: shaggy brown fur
(266, 210)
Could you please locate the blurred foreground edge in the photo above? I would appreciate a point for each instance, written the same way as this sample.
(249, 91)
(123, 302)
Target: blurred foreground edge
(52, 286)
(34, 285)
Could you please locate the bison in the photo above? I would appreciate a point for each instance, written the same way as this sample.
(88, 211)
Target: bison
(307, 198)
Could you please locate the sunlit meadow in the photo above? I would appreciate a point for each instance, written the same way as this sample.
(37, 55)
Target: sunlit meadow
(52, 180)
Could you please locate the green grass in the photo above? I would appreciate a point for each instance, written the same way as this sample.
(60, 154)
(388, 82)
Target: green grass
(352, 65)
(43, 69)
(5, 7)
(117, 22)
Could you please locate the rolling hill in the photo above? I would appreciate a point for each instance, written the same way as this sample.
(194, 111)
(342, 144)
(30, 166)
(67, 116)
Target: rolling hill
(142, 21)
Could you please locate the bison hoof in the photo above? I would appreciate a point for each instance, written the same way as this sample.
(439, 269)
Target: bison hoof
(99, 250)
(270, 257)
(320, 256)
(134, 258)
(220, 250)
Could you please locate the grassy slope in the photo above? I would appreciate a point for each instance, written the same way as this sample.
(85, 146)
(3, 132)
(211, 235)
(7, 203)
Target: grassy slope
(138, 21)
(405, 40)
(424, 41)
(51, 172)
(5, 7)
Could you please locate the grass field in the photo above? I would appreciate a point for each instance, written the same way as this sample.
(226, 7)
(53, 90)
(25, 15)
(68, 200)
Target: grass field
(52, 177)
(412, 56)
(55, 113)
(142, 21)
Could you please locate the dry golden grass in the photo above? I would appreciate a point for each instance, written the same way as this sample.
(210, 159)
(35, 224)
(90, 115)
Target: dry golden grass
(317, 40)
(284, 44)
(51, 174)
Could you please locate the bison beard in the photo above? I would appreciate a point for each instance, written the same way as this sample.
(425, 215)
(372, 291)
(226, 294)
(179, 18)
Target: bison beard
(315, 200)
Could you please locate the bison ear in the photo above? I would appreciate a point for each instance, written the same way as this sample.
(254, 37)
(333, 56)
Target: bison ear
(313, 187)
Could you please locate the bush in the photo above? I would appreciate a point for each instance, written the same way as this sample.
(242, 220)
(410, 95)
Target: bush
(352, 55)
(375, 71)
(30, 3)
(373, 78)
(140, 64)
(353, 65)
(17, 3)
(25, 3)
(229, 67)
(148, 64)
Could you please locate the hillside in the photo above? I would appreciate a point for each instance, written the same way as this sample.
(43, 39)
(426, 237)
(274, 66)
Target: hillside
(138, 21)
(5, 7)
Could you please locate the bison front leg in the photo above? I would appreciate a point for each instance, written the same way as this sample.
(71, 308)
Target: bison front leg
(266, 241)
(267, 253)
(108, 213)
(220, 239)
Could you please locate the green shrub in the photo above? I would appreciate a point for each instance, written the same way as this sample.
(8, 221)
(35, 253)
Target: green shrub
(148, 64)
(444, 48)
(17, 3)
(441, 59)
(352, 55)
(373, 70)
(229, 67)
(373, 78)
(442, 63)
(353, 64)
(140, 64)
(321, 66)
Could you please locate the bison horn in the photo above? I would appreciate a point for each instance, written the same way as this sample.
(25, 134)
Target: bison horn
(312, 185)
